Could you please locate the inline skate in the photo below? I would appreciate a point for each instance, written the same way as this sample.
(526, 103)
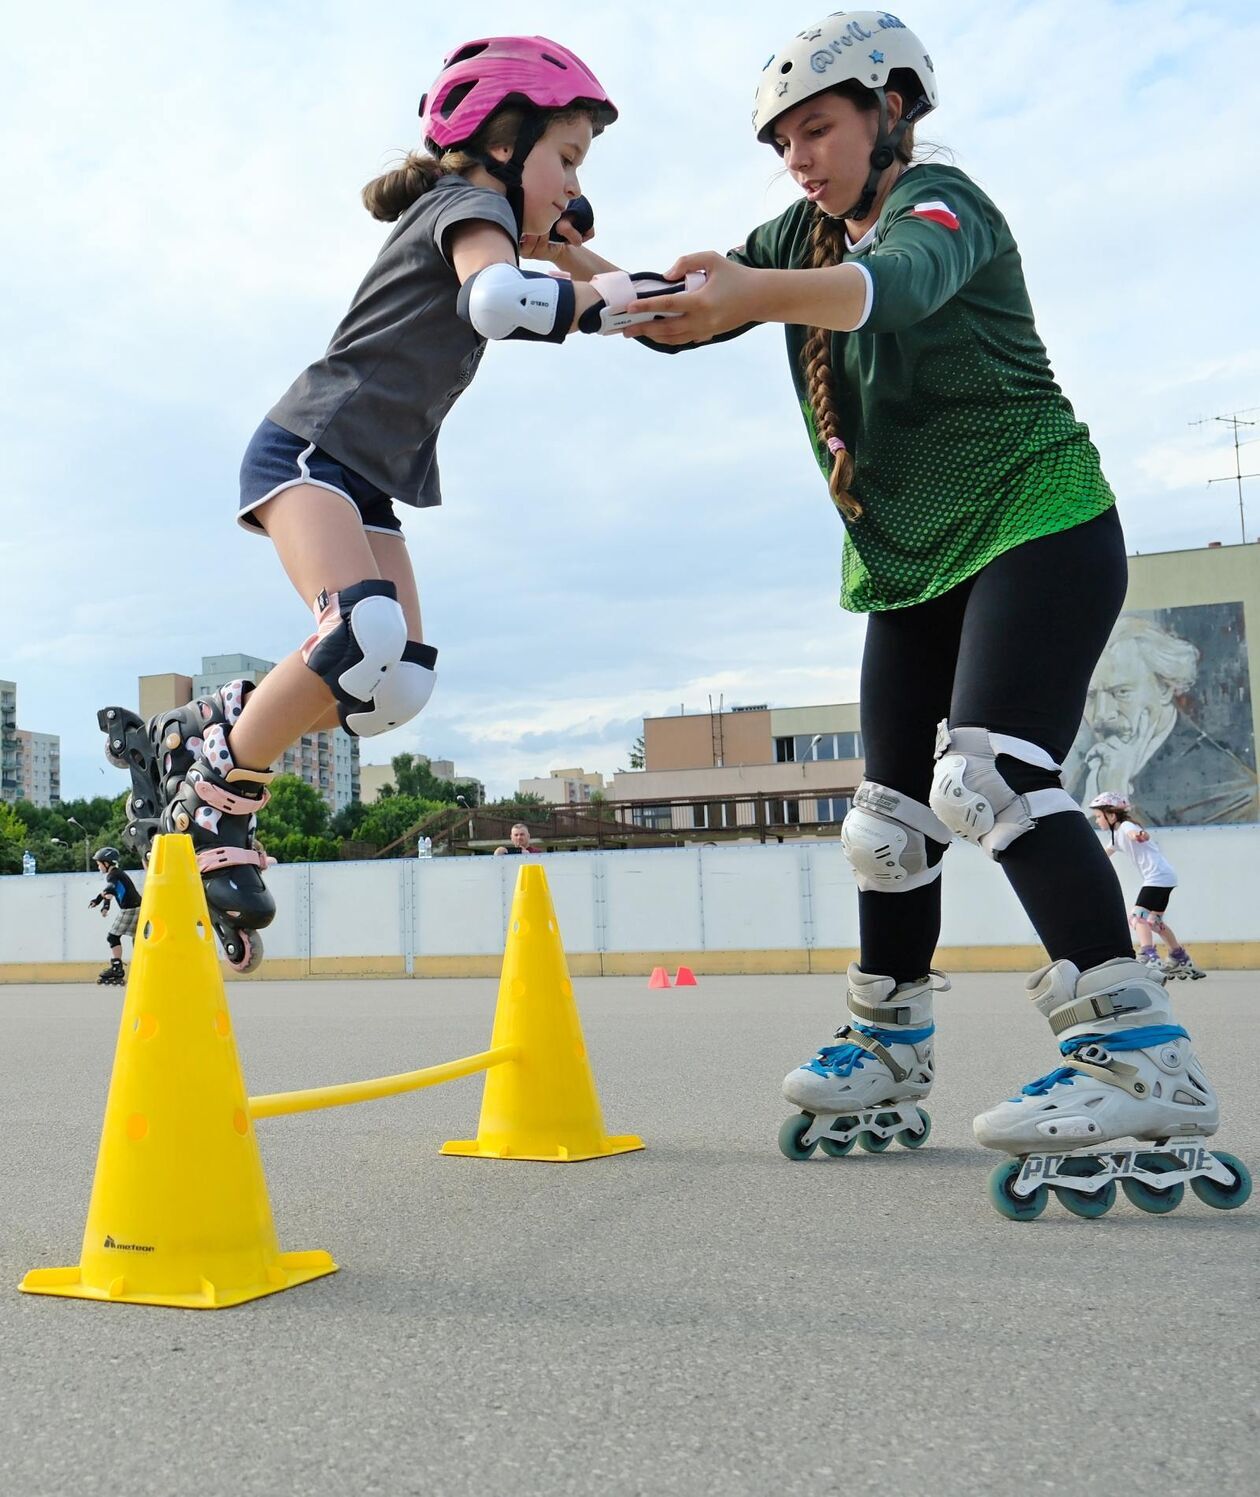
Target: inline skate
(1179, 965)
(113, 976)
(184, 779)
(864, 1090)
(1129, 1073)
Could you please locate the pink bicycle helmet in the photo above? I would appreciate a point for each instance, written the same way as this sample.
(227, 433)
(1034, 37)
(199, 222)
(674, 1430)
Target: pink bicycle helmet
(1109, 800)
(482, 76)
(486, 75)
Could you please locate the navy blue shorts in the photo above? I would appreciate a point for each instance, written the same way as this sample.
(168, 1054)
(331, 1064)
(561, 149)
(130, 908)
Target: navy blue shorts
(276, 460)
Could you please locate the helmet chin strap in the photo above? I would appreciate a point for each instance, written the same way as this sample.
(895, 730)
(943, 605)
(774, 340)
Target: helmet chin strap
(883, 154)
(510, 172)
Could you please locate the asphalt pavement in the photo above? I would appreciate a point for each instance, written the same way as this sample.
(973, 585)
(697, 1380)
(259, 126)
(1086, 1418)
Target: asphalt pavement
(701, 1317)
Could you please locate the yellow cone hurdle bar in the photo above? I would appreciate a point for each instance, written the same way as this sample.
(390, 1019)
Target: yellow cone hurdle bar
(179, 1213)
(540, 1101)
(544, 1106)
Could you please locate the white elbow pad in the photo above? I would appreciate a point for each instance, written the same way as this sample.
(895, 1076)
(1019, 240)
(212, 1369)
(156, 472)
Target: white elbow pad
(503, 301)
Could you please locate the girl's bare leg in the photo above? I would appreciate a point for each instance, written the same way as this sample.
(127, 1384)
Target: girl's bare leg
(393, 563)
(1142, 930)
(323, 547)
(1169, 937)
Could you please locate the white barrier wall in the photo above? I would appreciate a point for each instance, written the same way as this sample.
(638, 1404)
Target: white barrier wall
(797, 897)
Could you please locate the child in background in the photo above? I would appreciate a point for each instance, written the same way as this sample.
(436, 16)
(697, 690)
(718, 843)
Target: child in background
(121, 891)
(1114, 814)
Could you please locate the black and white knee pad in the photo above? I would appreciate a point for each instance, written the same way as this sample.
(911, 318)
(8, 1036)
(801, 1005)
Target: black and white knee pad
(973, 798)
(885, 837)
(378, 677)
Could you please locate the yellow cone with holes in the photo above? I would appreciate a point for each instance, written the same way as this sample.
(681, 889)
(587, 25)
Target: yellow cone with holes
(179, 1213)
(544, 1105)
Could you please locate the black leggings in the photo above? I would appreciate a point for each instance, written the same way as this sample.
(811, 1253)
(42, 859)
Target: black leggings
(1011, 650)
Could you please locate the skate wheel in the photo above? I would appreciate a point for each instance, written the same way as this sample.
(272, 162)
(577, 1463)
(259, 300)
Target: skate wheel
(1224, 1197)
(908, 1138)
(244, 951)
(1150, 1197)
(1097, 1204)
(1014, 1208)
(792, 1131)
(872, 1142)
(836, 1148)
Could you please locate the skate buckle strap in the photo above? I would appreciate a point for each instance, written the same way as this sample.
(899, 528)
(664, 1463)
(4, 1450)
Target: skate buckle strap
(859, 1042)
(224, 800)
(1102, 1006)
(214, 859)
(1081, 1012)
(879, 1013)
(1094, 1055)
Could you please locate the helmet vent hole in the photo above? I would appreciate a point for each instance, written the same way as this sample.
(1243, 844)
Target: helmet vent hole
(786, 67)
(455, 98)
(464, 53)
(555, 61)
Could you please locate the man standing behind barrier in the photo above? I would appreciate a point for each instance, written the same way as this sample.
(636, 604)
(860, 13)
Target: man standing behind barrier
(520, 842)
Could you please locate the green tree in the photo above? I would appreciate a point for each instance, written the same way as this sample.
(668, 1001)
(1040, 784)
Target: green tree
(413, 776)
(386, 820)
(294, 827)
(638, 753)
(13, 839)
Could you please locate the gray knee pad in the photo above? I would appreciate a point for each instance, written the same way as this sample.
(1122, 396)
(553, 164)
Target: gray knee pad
(885, 838)
(378, 677)
(974, 801)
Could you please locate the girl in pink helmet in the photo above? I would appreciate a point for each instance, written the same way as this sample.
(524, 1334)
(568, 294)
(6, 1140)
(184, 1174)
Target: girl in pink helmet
(1113, 814)
(505, 128)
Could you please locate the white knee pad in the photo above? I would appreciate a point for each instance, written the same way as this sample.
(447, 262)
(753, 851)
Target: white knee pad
(971, 797)
(885, 837)
(360, 649)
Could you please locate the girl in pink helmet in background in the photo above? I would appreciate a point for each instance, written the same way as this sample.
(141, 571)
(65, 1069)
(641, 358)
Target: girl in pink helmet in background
(1113, 813)
(505, 129)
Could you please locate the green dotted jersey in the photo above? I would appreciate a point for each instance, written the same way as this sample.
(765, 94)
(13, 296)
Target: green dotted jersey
(963, 444)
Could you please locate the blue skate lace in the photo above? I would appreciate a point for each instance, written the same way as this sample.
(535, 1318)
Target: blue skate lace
(843, 1060)
(1123, 1039)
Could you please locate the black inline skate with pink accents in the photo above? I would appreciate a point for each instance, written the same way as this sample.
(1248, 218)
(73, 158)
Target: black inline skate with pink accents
(184, 779)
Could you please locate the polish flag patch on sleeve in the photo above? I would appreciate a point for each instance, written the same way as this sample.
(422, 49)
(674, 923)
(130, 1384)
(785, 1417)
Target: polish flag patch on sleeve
(938, 212)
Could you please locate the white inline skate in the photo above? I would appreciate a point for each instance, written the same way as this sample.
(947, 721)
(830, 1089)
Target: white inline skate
(1129, 1073)
(1180, 967)
(864, 1089)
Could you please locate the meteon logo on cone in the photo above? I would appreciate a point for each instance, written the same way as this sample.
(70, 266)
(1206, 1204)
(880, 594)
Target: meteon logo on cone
(126, 1247)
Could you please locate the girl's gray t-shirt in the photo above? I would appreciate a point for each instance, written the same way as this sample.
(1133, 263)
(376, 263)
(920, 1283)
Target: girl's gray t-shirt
(401, 355)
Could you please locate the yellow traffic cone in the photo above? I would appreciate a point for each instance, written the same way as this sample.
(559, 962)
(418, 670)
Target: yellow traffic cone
(179, 1213)
(544, 1105)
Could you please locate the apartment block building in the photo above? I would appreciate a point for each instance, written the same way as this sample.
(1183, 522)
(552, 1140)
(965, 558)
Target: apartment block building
(30, 762)
(564, 787)
(328, 760)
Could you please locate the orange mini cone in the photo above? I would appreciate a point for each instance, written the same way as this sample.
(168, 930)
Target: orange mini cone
(179, 1213)
(685, 978)
(659, 978)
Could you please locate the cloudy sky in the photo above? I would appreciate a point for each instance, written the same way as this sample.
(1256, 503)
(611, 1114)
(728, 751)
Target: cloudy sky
(623, 534)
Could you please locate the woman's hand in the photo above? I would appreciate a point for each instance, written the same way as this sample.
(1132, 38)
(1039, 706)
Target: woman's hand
(726, 301)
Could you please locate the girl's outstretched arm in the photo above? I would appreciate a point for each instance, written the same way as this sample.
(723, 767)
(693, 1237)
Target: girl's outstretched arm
(475, 245)
(735, 296)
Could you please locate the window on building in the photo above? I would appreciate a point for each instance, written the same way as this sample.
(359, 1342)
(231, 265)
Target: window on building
(832, 808)
(784, 812)
(785, 750)
(848, 745)
(655, 818)
(717, 815)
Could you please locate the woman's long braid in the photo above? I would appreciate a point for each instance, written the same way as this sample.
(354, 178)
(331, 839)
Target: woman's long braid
(826, 243)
